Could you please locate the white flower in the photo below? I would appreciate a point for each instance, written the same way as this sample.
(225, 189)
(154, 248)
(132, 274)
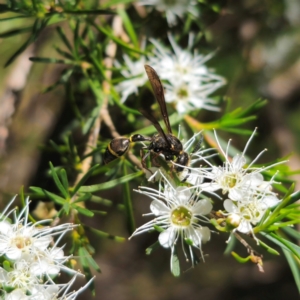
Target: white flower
(34, 258)
(235, 177)
(57, 292)
(22, 238)
(172, 8)
(250, 211)
(19, 278)
(182, 64)
(188, 96)
(49, 261)
(135, 77)
(178, 212)
(16, 294)
(190, 81)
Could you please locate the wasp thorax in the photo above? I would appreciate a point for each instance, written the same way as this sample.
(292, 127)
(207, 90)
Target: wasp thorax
(181, 216)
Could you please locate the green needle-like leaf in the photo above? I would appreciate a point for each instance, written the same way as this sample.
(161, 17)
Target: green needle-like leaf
(48, 60)
(85, 178)
(110, 184)
(64, 38)
(46, 194)
(128, 203)
(129, 27)
(58, 183)
(15, 32)
(152, 248)
(64, 179)
(283, 243)
(83, 211)
(105, 235)
(294, 265)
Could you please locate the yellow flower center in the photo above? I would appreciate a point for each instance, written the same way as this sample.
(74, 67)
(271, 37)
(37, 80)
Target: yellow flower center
(251, 212)
(21, 242)
(182, 93)
(181, 216)
(231, 180)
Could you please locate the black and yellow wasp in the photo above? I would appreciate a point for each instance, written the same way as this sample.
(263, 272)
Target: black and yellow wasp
(161, 143)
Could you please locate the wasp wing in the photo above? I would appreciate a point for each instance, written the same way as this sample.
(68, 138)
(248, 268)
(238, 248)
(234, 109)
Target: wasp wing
(155, 123)
(159, 95)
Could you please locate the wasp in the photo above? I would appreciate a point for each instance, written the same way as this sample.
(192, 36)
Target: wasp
(163, 143)
(120, 145)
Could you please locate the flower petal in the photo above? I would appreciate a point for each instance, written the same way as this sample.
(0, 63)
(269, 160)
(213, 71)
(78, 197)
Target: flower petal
(167, 238)
(202, 207)
(244, 227)
(230, 206)
(159, 208)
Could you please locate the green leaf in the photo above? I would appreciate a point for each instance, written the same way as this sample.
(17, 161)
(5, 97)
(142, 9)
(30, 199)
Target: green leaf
(128, 26)
(84, 211)
(115, 2)
(7, 266)
(110, 184)
(116, 98)
(101, 200)
(83, 198)
(256, 106)
(76, 39)
(294, 265)
(99, 212)
(268, 248)
(85, 262)
(44, 193)
(91, 120)
(36, 29)
(158, 228)
(111, 35)
(230, 244)
(64, 179)
(152, 248)
(65, 54)
(64, 38)
(292, 232)
(90, 12)
(128, 203)
(58, 184)
(106, 235)
(15, 32)
(15, 17)
(175, 264)
(283, 243)
(85, 177)
(47, 60)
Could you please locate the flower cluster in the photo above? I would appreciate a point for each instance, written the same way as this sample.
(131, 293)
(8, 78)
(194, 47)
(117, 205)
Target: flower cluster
(249, 195)
(32, 260)
(179, 210)
(189, 82)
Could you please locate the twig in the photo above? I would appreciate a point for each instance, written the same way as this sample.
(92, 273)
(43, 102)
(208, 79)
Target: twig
(255, 256)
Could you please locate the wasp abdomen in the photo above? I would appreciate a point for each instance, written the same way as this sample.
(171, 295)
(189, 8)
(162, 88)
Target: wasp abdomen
(116, 148)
